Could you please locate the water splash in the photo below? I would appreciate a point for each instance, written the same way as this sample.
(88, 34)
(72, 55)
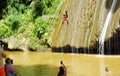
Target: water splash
(103, 33)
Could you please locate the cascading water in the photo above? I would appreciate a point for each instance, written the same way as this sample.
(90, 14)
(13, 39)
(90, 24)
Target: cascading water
(76, 20)
(103, 33)
(86, 19)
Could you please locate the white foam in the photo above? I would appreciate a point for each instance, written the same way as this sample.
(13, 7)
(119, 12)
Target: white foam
(111, 56)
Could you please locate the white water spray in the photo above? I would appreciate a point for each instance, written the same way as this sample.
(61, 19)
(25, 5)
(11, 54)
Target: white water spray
(103, 33)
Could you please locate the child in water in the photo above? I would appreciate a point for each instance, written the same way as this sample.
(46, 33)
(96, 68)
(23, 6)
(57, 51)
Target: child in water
(62, 70)
(10, 70)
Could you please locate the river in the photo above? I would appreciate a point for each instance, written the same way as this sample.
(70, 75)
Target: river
(77, 64)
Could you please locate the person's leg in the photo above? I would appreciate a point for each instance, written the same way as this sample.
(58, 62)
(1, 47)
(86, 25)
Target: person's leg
(62, 21)
(2, 72)
(67, 22)
(66, 19)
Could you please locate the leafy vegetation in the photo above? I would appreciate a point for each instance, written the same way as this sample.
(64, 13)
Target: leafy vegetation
(33, 19)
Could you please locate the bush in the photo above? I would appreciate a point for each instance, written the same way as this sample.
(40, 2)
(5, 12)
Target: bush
(32, 19)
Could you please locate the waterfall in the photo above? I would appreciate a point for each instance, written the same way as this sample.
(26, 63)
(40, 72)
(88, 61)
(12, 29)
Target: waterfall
(103, 33)
(76, 20)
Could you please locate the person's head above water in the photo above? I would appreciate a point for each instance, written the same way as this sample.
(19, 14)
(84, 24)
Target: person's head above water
(8, 61)
(106, 69)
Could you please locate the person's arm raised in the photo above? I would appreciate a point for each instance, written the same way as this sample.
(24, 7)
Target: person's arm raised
(64, 68)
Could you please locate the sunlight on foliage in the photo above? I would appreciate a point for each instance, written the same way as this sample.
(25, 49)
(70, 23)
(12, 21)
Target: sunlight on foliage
(34, 19)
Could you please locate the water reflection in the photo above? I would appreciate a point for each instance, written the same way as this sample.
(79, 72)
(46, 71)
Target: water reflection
(102, 66)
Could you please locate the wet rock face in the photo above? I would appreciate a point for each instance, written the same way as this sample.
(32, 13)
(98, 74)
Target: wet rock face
(86, 19)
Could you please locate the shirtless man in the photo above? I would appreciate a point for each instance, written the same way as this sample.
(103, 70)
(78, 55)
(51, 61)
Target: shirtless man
(62, 70)
(2, 55)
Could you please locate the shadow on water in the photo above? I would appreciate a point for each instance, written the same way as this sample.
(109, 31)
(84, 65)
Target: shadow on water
(111, 47)
(108, 4)
(36, 70)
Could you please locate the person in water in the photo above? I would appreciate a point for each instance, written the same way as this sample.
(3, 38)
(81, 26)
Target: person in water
(65, 17)
(107, 71)
(10, 70)
(62, 70)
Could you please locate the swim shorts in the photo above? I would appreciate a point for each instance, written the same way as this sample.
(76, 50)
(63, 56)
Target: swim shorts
(2, 72)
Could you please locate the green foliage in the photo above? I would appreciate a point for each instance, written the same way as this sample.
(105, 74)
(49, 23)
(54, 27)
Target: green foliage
(3, 4)
(38, 8)
(14, 22)
(31, 18)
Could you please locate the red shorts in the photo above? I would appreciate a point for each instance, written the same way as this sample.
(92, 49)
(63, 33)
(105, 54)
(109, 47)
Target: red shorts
(65, 19)
(2, 72)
